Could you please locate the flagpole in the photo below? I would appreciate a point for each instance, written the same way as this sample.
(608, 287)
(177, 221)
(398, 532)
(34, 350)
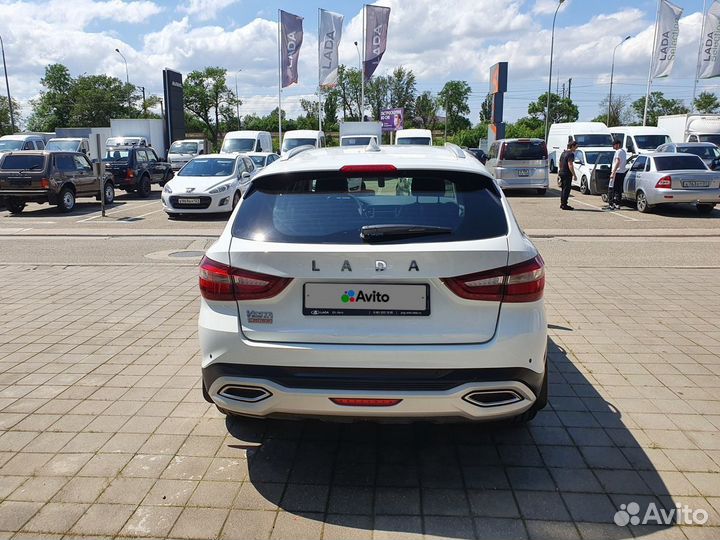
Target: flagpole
(362, 70)
(279, 82)
(652, 61)
(319, 62)
(699, 56)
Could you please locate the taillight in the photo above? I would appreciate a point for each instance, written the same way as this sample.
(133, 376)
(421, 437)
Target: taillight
(664, 183)
(219, 281)
(365, 402)
(502, 150)
(544, 151)
(523, 282)
(130, 173)
(44, 183)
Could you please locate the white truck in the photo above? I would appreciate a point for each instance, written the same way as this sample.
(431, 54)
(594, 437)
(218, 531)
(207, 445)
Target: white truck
(691, 127)
(184, 150)
(360, 133)
(151, 131)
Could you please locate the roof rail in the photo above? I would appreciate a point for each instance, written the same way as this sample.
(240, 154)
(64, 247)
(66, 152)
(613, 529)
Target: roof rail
(298, 149)
(455, 149)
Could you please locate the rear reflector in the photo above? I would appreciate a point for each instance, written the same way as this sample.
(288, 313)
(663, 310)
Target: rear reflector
(368, 169)
(664, 183)
(365, 402)
(44, 183)
(523, 282)
(219, 281)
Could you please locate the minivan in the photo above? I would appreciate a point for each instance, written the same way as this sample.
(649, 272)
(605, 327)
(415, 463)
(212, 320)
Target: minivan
(413, 136)
(302, 137)
(640, 139)
(583, 133)
(247, 141)
(519, 164)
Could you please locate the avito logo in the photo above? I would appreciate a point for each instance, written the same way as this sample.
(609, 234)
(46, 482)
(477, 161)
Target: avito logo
(362, 296)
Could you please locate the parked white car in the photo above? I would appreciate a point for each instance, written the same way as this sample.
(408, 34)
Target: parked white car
(262, 159)
(184, 150)
(208, 183)
(389, 282)
(302, 137)
(592, 169)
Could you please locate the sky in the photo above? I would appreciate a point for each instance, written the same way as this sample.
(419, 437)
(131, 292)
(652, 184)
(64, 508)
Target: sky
(439, 40)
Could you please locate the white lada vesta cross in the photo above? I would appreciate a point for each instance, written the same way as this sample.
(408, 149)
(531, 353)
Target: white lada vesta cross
(385, 283)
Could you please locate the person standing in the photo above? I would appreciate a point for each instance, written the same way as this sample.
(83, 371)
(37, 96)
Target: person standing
(566, 173)
(617, 176)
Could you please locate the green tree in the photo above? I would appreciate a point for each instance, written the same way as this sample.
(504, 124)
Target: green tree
(454, 99)
(658, 105)
(402, 92)
(561, 109)
(52, 109)
(486, 109)
(5, 124)
(98, 98)
(376, 95)
(349, 92)
(330, 108)
(706, 103)
(208, 97)
(426, 109)
(470, 138)
(526, 127)
(620, 112)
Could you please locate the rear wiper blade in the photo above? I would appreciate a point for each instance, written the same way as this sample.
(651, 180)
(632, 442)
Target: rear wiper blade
(378, 233)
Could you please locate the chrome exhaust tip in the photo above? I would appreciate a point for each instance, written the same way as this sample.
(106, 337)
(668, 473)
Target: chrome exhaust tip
(493, 398)
(248, 394)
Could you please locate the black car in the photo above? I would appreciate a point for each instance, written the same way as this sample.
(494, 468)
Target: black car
(136, 168)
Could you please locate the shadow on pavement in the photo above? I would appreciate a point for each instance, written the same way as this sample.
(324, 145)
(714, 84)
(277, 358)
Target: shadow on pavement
(566, 473)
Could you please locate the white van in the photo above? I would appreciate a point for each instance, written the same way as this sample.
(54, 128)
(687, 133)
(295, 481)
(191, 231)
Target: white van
(247, 141)
(18, 141)
(414, 136)
(583, 133)
(122, 140)
(184, 150)
(640, 139)
(302, 137)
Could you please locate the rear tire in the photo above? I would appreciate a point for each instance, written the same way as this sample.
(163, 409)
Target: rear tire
(15, 206)
(542, 192)
(641, 203)
(109, 193)
(553, 169)
(584, 188)
(235, 200)
(144, 187)
(66, 200)
(704, 209)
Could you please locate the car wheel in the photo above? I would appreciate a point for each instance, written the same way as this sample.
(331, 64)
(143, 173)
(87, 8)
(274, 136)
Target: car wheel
(552, 167)
(165, 179)
(15, 206)
(541, 191)
(66, 200)
(705, 209)
(584, 188)
(144, 187)
(236, 200)
(641, 203)
(109, 193)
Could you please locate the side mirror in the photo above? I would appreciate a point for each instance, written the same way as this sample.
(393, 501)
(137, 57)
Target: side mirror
(245, 175)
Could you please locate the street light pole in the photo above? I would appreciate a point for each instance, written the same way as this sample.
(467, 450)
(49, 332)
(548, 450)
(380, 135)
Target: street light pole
(362, 81)
(552, 48)
(144, 107)
(237, 99)
(612, 73)
(127, 76)
(7, 85)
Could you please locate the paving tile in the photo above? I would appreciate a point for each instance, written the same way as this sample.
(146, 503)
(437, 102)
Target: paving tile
(448, 527)
(214, 494)
(445, 502)
(500, 528)
(103, 519)
(55, 518)
(249, 524)
(398, 527)
(541, 505)
(397, 501)
(126, 491)
(14, 514)
(82, 490)
(199, 523)
(151, 521)
(551, 530)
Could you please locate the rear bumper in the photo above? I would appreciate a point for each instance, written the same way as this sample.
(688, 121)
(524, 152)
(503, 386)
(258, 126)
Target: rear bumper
(524, 183)
(220, 202)
(671, 196)
(27, 195)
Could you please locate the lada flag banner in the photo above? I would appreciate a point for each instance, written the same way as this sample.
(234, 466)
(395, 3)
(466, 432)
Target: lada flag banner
(668, 28)
(291, 38)
(710, 44)
(376, 28)
(330, 34)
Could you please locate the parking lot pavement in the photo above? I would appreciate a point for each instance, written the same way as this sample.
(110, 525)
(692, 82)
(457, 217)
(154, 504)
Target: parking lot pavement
(105, 432)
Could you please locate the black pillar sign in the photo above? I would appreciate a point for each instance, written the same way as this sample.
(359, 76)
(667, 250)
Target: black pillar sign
(174, 106)
(498, 87)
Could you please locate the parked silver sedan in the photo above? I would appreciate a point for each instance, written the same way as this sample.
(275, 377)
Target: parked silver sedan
(671, 178)
(706, 151)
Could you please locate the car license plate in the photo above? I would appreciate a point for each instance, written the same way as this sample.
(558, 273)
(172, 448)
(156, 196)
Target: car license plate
(695, 183)
(523, 172)
(185, 200)
(366, 299)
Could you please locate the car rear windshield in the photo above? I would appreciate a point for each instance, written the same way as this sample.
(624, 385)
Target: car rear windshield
(594, 139)
(117, 155)
(650, 142)
(362, 140)
(524, 150)
(414, 140)
(258, 160)
(64, 146)
(715, 139)
(238, 145)
(705, 152)
(289, 144)
(679, 163)
(10, 144)
(183, 148)
(331, 208)
(599, 158)
(208, 167)
(23, 162)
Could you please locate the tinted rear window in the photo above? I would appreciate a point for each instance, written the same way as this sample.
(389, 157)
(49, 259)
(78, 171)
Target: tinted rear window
(330, 208)
(517, 150)
(594, 140)
(676, 163)
(414, 140)
(23, 163)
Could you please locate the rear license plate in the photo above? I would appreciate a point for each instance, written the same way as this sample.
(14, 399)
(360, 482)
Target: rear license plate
(523, 172)
(19, 182)
(367, 299)
(695, 183)
(184, 200)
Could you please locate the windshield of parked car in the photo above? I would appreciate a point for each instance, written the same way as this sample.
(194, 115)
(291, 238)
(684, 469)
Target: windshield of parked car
(601, 158)
(524, 150)
(10, 144)
(362, 140)
(64, 146)
(23, 162)
(594, 139)
(414, 140)
(258, 160)
(713, 138)
(650, 142)
(117, 155)
(330, 208)
(679, 163)
(703, 152)
(289, 144)
(238, 145)
(208, 167)
(183, 148)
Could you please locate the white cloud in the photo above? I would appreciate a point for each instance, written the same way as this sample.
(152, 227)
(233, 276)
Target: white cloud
(205, 10)
(548, 7)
